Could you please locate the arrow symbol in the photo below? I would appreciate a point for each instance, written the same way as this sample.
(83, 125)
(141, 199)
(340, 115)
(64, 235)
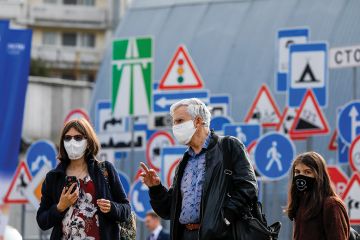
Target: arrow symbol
(353, 114)
(163, 102)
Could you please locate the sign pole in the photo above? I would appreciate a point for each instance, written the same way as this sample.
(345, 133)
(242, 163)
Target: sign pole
(354, 82)
(132, 146)
(23, 220)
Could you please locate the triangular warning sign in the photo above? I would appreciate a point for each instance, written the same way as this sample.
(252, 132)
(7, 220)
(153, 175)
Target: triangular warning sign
(16, 192)
(333, 142)
(264, 109)
(309, 119)
(286, 121)
(351, 199)
(307, 75)
(181, 73)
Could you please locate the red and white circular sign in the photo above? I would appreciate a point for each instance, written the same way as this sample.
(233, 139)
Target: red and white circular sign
(157, 141)
(171, 173)
(76, 114)
(355, 155)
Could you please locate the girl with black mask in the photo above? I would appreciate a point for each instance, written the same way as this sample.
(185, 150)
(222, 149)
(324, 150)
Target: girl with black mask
(317, 211)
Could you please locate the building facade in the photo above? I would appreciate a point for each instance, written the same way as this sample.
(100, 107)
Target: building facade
(69, 36)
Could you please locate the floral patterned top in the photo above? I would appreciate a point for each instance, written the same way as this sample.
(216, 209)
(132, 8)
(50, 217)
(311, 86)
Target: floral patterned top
(81, 220)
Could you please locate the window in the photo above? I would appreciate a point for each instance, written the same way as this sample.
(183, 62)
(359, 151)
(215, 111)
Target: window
(69, 39)
(87, 2)
(68, 76)
(88, 40)
(78, 2)
(49, 38)
(70, 2)
(50, 1)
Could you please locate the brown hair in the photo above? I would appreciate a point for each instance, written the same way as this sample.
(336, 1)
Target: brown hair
(153, 215)
(84, 128)
(322, 186)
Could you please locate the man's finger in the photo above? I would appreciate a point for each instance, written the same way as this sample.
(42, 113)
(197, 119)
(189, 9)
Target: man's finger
(152, 171)
(144, 167)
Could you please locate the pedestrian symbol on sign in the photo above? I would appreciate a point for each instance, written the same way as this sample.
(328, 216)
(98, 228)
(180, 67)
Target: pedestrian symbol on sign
(275, 157)
(240, 134)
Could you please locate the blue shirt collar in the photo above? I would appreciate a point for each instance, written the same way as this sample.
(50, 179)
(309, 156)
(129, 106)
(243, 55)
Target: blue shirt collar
(204, 146)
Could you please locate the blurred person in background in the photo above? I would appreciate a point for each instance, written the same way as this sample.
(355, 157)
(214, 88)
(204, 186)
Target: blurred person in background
(317, 211)
(91, 207)
(152, 223)
(199, 204)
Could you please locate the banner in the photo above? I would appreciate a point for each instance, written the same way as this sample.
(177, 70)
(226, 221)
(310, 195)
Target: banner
(14, 72)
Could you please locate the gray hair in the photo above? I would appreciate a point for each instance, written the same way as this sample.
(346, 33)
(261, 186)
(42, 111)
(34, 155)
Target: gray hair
(195, 107)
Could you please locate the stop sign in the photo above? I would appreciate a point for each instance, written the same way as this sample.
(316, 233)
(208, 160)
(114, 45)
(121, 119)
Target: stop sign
(338, 178)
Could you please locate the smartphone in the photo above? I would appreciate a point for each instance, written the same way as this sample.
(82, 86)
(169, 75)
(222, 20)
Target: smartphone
(69, 180)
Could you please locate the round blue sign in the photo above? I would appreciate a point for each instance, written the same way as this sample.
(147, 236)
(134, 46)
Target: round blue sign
(40, 153)
(273, 155)
(124, 179)
(139, 199)
(349, 122)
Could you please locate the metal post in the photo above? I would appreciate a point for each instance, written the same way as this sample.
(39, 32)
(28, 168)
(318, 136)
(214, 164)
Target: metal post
(132, 147)
(354, 83)
(23, 220)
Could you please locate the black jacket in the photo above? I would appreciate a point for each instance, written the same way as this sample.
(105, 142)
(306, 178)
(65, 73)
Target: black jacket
(48, 216)
(215, 203)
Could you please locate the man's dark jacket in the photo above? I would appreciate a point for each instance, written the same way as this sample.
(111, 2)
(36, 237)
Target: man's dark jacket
(215, 202)
(48, 215)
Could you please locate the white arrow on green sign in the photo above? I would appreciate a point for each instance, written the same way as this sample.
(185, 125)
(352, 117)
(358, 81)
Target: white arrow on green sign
(132, 75)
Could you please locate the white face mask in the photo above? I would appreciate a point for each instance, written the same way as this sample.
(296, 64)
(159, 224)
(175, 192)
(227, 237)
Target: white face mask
(75, 149)
(184, 132)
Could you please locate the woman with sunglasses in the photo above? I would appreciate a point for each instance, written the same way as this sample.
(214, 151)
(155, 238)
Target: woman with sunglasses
(317, 211)
(80, 198)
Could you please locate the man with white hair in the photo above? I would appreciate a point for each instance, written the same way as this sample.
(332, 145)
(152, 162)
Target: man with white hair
(202, 203)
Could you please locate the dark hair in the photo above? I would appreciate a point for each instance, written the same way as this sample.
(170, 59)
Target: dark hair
(84, 128)
(153, 215)
(322, 186)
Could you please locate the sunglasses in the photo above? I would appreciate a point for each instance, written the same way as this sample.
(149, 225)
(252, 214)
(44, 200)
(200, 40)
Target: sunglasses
(78, 138)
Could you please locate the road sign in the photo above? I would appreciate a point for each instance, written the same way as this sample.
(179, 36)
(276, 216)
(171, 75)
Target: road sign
(163, 100)
(220, 105)
(247, 133)
(139, 199)
(349, 122)
(170, 156)
(309, 119)
(354, 155)
(333, 146)
(21, 180)
(274, 153)
(342, 151)
(286, 121)
(105, 121)
(286, 37)
(122, 141)
(77, 114)
(338, 178)
(125, 181)
(264, 109)
(40, 153)
(181, 73)
(351, 198)
(154, 145)
(160, 121)
(132, 76)
(343, 57)
(308, 70)
(217, 123)
(33, 189)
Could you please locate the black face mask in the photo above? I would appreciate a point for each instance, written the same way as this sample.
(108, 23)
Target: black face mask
(303, 183)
